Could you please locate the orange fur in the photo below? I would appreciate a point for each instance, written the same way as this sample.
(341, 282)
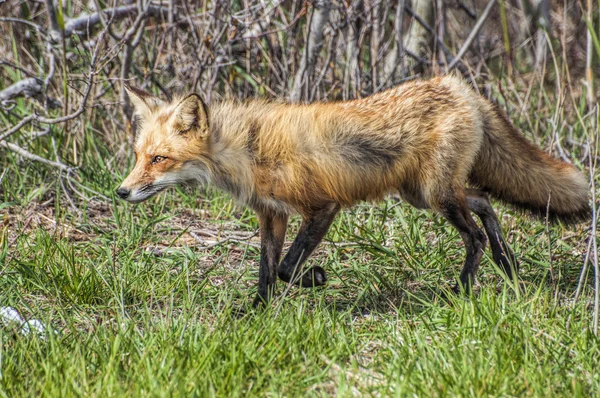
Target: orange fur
(426, 140)
(421, 139)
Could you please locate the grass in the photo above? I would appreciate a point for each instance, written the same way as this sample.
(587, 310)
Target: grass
(136, 305)
(140, 309)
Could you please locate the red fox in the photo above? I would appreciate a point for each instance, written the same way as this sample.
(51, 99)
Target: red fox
(425, 139)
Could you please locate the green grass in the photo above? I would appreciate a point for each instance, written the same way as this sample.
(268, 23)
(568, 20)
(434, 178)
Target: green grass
(140, 308)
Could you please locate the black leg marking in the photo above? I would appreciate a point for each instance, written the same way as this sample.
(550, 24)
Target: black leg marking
(272, 236)
(312, 231)
(503, 255)
(456, 212)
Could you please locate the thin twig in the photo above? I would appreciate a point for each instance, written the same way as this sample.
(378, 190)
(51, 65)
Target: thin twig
(25, 22)
(206, 245)
(595, 246)
(28, 155)
(473, 34)
(87, 22)
(11, 65)
(45, 120)
(584, 269)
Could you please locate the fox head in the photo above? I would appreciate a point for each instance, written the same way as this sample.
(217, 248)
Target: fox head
(171, 146)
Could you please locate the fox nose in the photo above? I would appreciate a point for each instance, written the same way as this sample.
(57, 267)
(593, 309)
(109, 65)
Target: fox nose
(123, 193)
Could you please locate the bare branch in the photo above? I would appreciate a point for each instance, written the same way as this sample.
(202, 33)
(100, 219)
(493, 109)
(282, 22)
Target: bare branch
(417, 40)
(473, 34)
(589, 73)
(31, 156)
(440, 42)
(11, 65)
(395, 56)
(351, 73)
(17, 127)
(54, 28)
(45, 120)
(85, 23)
(131, 42)
(30, 87)
(466, 9)
(314, 42)
(25, 22)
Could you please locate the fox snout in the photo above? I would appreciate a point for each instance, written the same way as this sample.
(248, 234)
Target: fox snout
(131, 194)
(123, 193)
(139, 193)
(138, 186)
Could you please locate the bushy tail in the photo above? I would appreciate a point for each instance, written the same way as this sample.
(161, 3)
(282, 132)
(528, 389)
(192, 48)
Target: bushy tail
(514, 170)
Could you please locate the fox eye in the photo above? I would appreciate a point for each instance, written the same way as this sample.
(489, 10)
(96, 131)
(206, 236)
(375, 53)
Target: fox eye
(157, 159)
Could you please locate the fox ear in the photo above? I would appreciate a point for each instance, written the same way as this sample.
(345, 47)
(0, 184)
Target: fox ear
(143, 102)
(192, 115)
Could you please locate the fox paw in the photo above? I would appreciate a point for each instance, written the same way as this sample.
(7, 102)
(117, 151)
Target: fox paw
(314, 277)
(259, 302)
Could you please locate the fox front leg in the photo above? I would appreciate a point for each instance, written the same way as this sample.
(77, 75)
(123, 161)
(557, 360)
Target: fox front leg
(272, 236)
(313, 229)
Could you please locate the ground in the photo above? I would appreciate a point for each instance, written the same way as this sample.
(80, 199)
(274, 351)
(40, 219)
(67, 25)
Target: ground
(154, 299)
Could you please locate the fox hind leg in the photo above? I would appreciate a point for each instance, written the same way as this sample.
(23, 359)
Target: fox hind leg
(503, 255)
(454, 208)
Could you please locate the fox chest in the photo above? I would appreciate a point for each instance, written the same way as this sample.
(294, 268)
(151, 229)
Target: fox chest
(271, 192)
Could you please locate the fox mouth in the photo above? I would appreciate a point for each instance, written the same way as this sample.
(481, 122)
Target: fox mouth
(145, 192)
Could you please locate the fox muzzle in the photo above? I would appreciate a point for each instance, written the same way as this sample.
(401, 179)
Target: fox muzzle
(123, 193)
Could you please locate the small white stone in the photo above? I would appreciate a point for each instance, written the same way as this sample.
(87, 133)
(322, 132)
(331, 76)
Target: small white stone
(33, 326)
(9, 314)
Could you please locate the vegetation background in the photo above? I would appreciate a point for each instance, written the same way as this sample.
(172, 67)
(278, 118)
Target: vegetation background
(143, 300)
